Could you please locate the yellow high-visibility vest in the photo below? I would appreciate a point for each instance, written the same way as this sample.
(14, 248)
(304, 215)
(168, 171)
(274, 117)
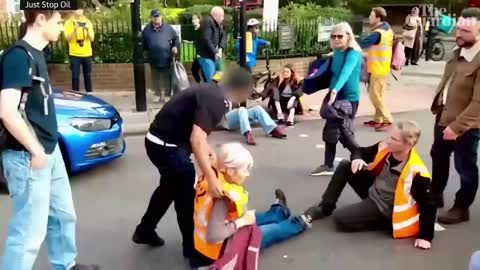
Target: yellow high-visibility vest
(405, 218)
(380, 56)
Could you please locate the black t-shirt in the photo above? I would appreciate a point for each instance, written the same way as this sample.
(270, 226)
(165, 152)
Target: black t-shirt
(203, 105)
(15, 74)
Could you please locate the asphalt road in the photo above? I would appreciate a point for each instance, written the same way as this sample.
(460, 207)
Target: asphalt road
(111, 199)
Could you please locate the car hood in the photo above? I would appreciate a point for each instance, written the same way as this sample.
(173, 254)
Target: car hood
(80, 105)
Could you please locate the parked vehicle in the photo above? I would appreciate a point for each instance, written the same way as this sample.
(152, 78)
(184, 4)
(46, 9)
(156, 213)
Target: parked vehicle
(91, 131)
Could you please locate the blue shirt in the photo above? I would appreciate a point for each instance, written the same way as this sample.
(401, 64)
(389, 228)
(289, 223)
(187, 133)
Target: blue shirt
(375, 37)
(252, 57)
(346, 69)
(158, 43)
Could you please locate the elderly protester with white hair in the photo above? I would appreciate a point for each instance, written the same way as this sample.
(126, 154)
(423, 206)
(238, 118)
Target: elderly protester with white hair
(216, 220)
(212, 42)
(343, 96)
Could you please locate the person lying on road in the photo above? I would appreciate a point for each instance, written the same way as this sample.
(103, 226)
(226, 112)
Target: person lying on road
(395, 188)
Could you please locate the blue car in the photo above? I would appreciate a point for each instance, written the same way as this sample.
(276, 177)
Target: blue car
(91, 131)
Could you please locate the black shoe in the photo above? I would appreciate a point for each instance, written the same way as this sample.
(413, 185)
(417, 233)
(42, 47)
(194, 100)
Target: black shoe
(147, 238)
(454, 216)
(281, 198)
(317, 212)
(322, 170)
(85, 267)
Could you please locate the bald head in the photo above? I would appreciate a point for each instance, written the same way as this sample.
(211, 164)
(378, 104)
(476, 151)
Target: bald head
(218, 14)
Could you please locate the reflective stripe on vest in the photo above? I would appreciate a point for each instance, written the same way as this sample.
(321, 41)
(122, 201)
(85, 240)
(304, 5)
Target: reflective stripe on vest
(238, 201)
(405, 217)
(380, 55)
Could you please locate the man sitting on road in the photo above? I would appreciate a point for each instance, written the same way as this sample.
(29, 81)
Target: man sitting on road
(395, 189)
(239, 117)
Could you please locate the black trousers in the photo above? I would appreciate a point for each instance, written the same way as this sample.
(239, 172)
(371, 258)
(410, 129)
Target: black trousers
(361, 216)
(177, 177)
(337, 131)
(465, 152)
(86, 64)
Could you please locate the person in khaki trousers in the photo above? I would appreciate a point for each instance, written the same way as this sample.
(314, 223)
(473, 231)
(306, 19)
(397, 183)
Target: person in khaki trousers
(457, 122)
(379, 49)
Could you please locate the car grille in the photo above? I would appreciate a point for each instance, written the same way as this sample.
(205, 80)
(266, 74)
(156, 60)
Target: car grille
(104, 149)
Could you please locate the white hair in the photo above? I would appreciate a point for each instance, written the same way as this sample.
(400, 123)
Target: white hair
(345, 27)
(217, 10)
(234, 156)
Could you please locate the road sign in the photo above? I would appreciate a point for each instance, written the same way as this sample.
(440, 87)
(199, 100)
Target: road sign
(324, 32)
(178, 29)
(285, 37)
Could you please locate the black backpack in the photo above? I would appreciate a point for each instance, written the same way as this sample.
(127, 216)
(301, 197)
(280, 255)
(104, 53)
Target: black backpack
(33, 71)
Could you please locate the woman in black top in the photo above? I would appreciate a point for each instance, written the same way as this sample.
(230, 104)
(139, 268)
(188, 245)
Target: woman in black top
(285, 92)
(196, 69)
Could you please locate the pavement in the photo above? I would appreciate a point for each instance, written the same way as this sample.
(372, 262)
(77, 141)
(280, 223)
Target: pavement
(413, 91)
(111, 199)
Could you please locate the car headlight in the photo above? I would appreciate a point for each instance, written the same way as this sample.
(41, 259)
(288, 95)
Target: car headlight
(91, 124)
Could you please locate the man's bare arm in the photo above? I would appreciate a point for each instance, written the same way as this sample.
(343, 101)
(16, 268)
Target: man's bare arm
(201, 150)
(13, 121)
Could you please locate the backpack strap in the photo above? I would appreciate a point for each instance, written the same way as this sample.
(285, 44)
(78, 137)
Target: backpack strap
(34, 72)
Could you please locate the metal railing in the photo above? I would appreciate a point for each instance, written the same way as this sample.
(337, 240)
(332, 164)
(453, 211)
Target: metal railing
(113, 40)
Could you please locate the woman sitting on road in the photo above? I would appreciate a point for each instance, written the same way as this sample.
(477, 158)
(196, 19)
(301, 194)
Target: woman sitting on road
(343, 96)
(286, 91)
(216, 220)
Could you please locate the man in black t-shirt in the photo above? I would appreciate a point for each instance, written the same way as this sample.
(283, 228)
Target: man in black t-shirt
(179, 129)
(34, 169)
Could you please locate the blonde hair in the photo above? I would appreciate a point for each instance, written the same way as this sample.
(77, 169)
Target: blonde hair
(409, 130)
(234, 156)
(345, 27)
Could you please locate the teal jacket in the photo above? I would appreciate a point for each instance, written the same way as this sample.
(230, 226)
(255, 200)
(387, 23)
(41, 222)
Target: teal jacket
(346, 69)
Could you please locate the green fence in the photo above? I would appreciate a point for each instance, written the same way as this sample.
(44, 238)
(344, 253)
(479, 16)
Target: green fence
(113, 42)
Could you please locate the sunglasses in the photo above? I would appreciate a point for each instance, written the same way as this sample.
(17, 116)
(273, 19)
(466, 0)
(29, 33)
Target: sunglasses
(336, 36)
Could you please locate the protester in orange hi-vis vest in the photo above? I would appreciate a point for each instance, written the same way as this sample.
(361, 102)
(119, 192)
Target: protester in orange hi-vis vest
(379, 46)
(394, 185)
(216, 220)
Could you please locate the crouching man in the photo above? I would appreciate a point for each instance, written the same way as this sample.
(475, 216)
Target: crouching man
(394, 185)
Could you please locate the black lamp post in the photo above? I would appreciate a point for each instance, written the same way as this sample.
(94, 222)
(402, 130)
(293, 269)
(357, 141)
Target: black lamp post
(138, 63)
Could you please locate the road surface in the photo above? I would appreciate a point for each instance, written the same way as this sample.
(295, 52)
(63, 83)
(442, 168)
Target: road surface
(111, 199)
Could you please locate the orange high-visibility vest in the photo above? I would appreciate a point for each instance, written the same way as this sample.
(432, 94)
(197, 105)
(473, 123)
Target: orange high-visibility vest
(405, 218)
(238, 201)
(379, 57)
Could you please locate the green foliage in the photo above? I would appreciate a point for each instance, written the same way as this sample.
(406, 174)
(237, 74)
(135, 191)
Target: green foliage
(323, 3)
(311, 11)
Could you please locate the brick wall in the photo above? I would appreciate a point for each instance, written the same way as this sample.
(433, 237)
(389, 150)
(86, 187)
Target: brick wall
(111, 77)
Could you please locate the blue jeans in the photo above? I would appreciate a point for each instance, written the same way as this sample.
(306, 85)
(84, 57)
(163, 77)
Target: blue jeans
(475, 261)
(209, 67)
(277, 226)
(241, 118)
(42, 207)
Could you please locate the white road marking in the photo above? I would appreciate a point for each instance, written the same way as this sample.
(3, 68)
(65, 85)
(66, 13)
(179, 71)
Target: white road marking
(439, 228)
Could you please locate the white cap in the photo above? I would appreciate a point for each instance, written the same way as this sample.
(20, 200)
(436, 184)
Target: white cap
(253, 22)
